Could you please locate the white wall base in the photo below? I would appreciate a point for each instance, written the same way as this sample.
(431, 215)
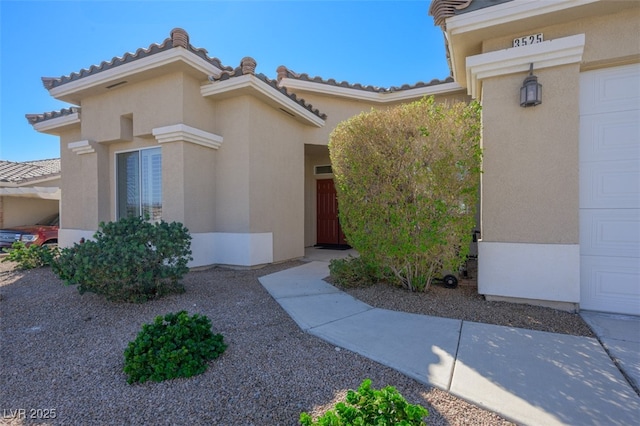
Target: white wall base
(67, 237)
(210, 248)
(238, 249)
(546, 272)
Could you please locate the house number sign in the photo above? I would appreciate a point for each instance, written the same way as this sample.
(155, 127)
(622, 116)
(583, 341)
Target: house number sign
(527, 40)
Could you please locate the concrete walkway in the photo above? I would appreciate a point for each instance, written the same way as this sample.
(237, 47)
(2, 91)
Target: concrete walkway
(529, 377)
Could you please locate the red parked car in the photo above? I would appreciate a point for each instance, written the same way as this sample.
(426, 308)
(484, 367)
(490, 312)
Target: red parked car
(44, 232)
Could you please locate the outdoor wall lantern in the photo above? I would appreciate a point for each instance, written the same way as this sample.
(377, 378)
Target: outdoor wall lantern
(531, 90)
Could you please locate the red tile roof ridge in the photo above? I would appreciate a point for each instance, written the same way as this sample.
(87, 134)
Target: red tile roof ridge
(284, 72)
(37, 118)
(178, 38)
(248, 66)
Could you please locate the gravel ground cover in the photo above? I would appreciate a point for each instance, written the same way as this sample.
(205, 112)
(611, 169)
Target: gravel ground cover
(466, 304)
(61, 354)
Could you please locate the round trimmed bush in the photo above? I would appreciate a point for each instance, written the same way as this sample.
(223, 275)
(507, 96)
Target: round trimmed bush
(176, 345)
(131, 260)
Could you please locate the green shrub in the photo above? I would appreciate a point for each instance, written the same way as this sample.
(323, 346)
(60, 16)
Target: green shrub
(130, 260)
(371, 407)
(407, 182)
(174, 346)
(356, 272)
(34, 256)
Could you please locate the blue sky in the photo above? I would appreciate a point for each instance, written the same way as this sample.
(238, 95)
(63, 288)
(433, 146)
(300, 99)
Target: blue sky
(382, 43)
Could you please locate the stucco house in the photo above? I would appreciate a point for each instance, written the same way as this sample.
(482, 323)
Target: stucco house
(242, 159)
(29, 191)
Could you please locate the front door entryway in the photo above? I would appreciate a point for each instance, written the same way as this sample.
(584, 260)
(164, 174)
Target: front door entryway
(328, 225)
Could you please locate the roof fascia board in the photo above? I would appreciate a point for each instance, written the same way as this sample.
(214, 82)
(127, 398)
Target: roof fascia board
(251, 81)
(508, 12)
(377, 97)
(134, 67)
(551, 53)
(183, 133)
(36, 180)
(43, 192)
(51, 124)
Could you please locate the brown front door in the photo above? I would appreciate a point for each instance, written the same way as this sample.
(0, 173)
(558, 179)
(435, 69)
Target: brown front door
(329, 231)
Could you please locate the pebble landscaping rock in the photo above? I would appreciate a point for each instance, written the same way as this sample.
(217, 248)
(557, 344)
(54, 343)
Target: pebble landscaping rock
(62, 354)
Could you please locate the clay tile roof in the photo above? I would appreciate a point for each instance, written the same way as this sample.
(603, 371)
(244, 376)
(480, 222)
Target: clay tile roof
(37, 118)
(284, 72)
(178, 38)
(443, 9)
(29, 170)
(248, 66)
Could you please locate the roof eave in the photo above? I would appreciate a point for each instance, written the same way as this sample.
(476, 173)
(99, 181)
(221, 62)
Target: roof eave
(39, 179)
(257, 87)
(466, 32)
(42, 192)
(54, 126)
(369, 96)
(74, 91)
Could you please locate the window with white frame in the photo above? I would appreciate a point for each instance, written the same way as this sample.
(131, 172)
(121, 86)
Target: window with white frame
(139, 183)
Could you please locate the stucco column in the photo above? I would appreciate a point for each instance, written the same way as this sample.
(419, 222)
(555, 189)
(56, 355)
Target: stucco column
(85, 200)
(188, 175)
(530, 181)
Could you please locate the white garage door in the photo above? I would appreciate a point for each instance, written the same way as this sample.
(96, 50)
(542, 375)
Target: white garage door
(610, 190)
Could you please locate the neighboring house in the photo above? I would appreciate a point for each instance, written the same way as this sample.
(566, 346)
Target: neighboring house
(29, 191)
(242, 160)
(560, 216)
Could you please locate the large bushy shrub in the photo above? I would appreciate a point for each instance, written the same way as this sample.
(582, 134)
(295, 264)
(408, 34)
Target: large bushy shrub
(176, 345)
(131, 260)
(34, 256)
(368, 406)
(407, 182)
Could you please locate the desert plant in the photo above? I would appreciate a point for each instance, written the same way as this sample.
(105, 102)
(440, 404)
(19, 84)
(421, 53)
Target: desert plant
(130, 260)
(176, 345)
(34, 256)
(368, 406)
(407, 182)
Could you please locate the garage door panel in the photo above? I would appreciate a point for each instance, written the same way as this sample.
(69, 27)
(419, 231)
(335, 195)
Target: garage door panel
(610, 190)
(607, 90)
(610, 136)
(610, 232)
(614, 285)
(608, 184)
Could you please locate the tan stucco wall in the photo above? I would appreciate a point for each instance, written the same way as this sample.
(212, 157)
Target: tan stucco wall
(194, 182)
(608, 38)
(232, 166)
(89, 179)
(276, 182)
(531, 178)
(81, 205)
(153, 103)
(530, 167)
